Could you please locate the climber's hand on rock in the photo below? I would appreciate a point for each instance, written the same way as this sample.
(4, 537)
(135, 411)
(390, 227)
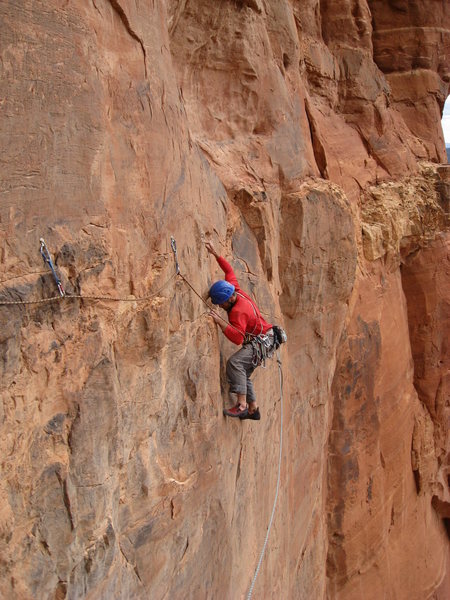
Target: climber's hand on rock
(210, 249)
(215, 317)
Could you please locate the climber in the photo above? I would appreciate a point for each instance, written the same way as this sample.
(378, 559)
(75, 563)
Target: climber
(245, 326)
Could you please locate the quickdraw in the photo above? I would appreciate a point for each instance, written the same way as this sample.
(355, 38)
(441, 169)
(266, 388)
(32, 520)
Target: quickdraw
(174, 248)
(48, 260)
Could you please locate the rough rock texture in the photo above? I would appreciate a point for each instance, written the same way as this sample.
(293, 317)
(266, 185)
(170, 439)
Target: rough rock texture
(425, 278)
(302, 138)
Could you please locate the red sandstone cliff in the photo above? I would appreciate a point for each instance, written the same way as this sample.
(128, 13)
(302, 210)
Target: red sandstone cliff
(302, 138)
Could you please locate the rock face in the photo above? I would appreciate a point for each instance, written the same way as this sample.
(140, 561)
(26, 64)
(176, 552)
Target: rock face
(303, 140)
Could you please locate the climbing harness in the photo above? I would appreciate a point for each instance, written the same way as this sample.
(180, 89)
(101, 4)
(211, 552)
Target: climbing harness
(48, 260)
(263, 348)
(277, 489)
(263, 345)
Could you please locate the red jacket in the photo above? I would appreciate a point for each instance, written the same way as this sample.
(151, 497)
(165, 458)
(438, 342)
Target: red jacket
(244, 317)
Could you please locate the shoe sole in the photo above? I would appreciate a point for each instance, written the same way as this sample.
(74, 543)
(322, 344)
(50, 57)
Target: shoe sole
(241, 415)
(253, 418)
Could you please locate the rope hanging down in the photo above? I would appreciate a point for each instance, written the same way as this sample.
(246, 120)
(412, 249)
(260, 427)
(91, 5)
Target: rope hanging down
(280, 373)
(269, 527)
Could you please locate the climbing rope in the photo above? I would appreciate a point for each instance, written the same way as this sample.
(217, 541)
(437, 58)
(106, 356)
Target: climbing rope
(124, 298)
(41, 301)
(209, 308)
(67, 296)
(266, 539)
(64, 295)
(280, 374)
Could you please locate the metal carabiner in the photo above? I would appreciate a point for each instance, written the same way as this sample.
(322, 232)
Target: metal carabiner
(174, 249)
(48, 260)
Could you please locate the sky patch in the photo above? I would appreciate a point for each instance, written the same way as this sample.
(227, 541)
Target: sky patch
(446, 122)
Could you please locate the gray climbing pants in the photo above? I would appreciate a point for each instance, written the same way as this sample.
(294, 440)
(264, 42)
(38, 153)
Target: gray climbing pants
(240, 367)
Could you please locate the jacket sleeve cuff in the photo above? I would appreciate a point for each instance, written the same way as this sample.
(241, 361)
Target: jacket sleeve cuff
(234, 336)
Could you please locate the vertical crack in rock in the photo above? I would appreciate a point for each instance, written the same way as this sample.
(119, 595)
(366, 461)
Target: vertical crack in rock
(123, 17)
(253, 206)
(66, 499)
(173, 21)
(317, 146)
(238, 471)
(133, 566)
(371, 151)
(425, 287)
(71, 429)
(185, 549)
(354, 381)
(252, 4)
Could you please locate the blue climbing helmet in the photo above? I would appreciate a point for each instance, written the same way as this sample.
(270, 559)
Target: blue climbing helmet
(221, 291)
